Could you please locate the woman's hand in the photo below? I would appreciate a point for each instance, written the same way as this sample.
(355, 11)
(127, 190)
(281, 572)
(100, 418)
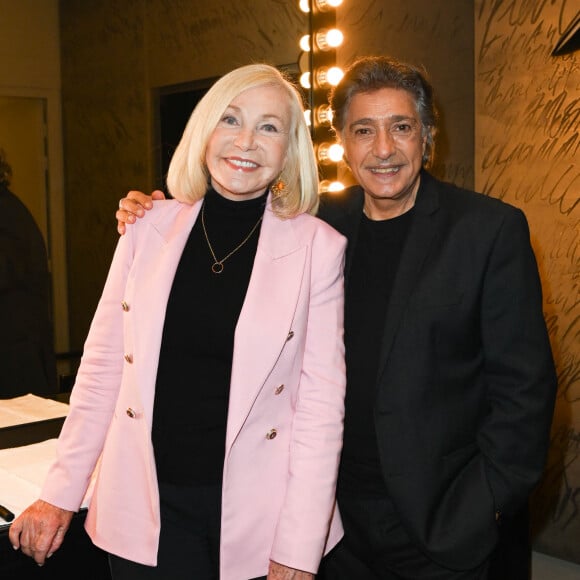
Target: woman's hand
(134, 206)
(39, 530)
(280, 572)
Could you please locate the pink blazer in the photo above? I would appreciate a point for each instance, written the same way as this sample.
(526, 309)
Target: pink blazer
(288, 375)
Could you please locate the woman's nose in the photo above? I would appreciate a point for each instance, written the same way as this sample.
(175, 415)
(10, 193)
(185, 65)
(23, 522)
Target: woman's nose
(245, 139)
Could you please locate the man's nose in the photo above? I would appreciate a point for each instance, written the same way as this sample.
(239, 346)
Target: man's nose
(384, 144)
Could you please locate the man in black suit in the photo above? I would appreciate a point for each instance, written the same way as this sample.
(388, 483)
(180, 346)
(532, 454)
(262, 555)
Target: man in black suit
(450, 377)
(451, 382)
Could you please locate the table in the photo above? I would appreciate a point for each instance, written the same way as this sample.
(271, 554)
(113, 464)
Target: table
(77, 557)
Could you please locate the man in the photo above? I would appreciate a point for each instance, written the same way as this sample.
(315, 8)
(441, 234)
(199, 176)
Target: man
(450, 377)
(27, 360)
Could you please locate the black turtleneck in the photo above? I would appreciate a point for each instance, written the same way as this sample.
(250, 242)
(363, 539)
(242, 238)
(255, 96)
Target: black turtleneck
(371, 278)
(193, 377)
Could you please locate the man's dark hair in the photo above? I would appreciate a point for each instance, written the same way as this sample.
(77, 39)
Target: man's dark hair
(372, 73)
(5, 170)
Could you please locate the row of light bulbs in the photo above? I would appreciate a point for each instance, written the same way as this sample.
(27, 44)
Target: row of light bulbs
(324, 77)
(325, 40)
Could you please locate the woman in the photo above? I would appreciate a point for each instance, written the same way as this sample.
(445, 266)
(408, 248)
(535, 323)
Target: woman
(218, 418)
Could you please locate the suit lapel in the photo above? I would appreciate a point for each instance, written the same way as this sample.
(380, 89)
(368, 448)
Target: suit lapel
(266, 316)
(159, 251)
(424, 229)
(345, 217)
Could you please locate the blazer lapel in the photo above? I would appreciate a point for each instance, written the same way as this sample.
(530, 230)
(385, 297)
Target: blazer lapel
(266, 316)
(424, 229)
(158, 256)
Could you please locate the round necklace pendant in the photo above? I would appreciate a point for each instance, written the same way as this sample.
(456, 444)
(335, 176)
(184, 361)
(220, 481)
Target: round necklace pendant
(217, 268)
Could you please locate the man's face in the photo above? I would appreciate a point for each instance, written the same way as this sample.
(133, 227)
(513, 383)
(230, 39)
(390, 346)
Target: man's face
(384, 145)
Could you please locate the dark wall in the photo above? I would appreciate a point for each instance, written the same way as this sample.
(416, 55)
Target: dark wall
(116, 56)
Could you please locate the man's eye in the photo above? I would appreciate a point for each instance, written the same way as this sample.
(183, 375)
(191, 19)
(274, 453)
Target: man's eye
(362, 131)
(401, 128)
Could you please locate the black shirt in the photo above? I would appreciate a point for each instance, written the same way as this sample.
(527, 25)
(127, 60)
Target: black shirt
(374, 266)
(193, 377)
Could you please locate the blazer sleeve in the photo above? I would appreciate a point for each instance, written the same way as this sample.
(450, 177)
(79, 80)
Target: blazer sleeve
(316, 440)
(95, 391)
(519, 367)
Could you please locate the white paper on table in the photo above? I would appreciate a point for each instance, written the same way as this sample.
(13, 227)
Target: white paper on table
(28, 409)
(22, 474)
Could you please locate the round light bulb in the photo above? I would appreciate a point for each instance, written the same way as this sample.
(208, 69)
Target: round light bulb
(334, 75)
(336, 186)
(329, 39)
(329, 153)
(305, 5)
(325, 5)
(335, 152)
(327, 186)
(308, 117)
(329, 76)
(305, 43)
(334, 37)
(305, 80)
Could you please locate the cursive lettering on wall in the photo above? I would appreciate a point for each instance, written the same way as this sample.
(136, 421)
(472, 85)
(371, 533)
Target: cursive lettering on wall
(528, 154)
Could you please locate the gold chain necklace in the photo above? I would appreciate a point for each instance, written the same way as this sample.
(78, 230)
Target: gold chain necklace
(218, 265)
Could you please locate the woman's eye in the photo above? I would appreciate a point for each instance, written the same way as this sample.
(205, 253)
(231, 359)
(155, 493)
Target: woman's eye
(269, 128)
(229, 120)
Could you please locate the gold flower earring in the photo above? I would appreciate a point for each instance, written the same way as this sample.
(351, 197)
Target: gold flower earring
(278, 188)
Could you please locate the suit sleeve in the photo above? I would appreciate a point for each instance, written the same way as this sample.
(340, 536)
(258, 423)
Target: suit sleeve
(316, 440)
(519, 368)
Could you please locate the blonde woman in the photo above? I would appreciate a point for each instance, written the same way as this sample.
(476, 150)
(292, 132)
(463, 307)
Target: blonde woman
(212, 381)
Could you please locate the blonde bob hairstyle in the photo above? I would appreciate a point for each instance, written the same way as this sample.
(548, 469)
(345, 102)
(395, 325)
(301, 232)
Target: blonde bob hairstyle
(188, 176)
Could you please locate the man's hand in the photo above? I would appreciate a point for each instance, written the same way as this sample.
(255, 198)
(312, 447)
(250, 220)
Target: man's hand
(280, 572)
(39, 530)
(134, 206)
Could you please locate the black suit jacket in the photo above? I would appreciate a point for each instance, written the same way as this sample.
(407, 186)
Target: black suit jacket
(466, 385)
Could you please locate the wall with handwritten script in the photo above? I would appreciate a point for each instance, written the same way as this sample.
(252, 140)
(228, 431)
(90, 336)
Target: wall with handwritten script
(527, 152)
(437, 35)
(115, 55)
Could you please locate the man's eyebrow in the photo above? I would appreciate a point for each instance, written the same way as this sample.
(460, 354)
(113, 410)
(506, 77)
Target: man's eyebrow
(363, 121)
(404, 118)
(374, 120)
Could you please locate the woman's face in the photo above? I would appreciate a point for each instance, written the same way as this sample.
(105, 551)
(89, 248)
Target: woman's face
(247, 150)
